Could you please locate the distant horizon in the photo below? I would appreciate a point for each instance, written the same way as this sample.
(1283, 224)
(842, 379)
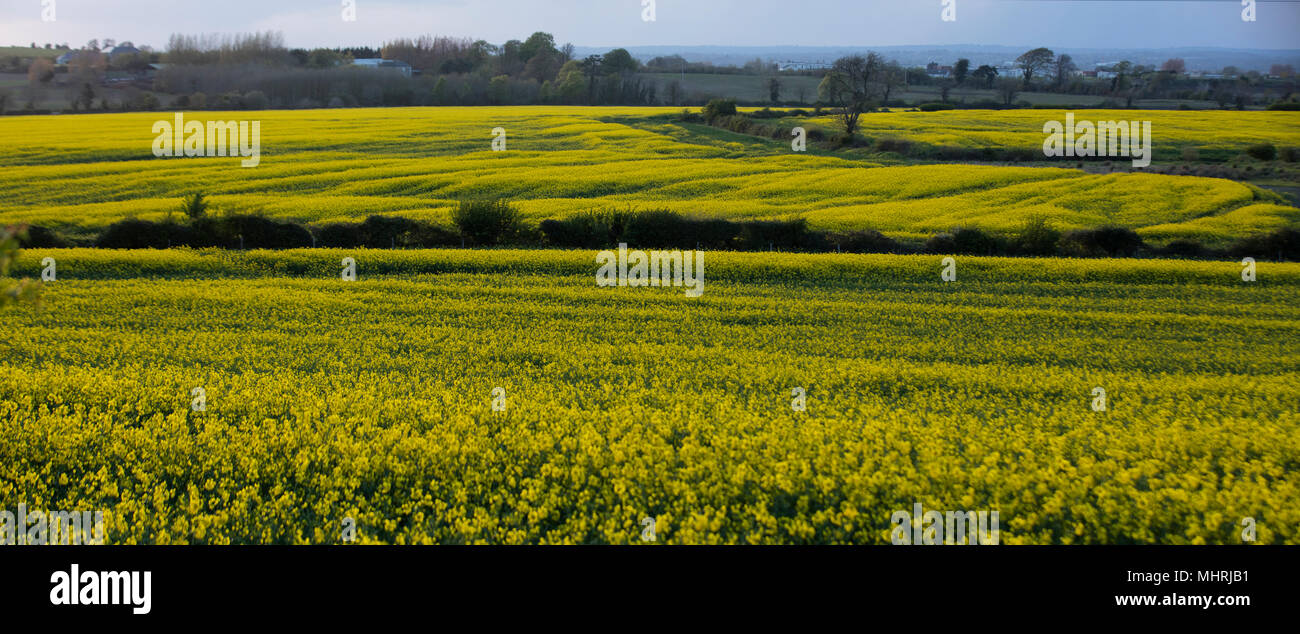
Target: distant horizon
(1026, 47)
(1066, 25)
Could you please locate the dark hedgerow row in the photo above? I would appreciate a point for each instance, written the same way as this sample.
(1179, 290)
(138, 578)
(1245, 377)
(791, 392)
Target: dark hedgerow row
(498, 223)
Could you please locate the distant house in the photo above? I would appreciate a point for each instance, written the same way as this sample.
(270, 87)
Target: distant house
(933, 69)
(384, 64)
(791, 65)
(118, 51)
(66, 58)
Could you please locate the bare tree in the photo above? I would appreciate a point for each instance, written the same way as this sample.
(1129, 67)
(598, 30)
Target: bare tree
(853, 85)
(1008, 88)
(41, 71)
(674, 95)
(893, 76)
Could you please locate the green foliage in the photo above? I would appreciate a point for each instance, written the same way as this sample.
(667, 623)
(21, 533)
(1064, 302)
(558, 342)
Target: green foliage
(1262, 151)
(719, 108)
(14, 291)
(1037, 237)
(194, 206)
(487, 222)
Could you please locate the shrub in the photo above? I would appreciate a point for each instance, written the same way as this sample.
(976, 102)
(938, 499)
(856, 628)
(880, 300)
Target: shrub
(866, 241)
(42, 238)
(1036, 237)
(256, 232)
(1102, 241)
(141, 234)
(719, 108)
(690, 117)
(892, 144)
(1262, 151)
(194, 207)
(1184, 249)
(1285, 105)
(736, 123)
(343, 235)
(1283, 244)
(941, 243)
(658, 228)
(255, 100)
(968, 241)
(386, 232)
(488, 222)
(1290, 154)
(589, 229)
(781, 234)
(935, 106)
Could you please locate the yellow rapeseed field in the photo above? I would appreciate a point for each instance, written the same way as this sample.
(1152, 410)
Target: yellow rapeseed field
(80, 173)
(1172, 130)
(373, 400)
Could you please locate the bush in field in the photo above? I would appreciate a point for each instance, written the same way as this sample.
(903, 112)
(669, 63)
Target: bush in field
(761, 235)
(341, 235)
(941, 243)
(1184, 249)
(487, 222)
(256, 232)
(1283, 244)
(194, 207)
(970, 241)
(1262, 151)
(591, 229)
(42, 238)
(965, 241)
(141, 234)
(658, 228)
(1102, 242)
(893, 144)
(11, 291)
(719, 108)
(383, 232)
(1036, 237)
(867, 241)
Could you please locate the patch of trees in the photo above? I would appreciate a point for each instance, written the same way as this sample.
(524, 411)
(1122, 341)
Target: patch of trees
(211, 72)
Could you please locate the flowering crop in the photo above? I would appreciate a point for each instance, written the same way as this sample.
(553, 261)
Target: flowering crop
(373, 399)
(83, 172)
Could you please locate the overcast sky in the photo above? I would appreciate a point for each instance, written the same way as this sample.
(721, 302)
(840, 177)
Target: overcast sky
(859, 23)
